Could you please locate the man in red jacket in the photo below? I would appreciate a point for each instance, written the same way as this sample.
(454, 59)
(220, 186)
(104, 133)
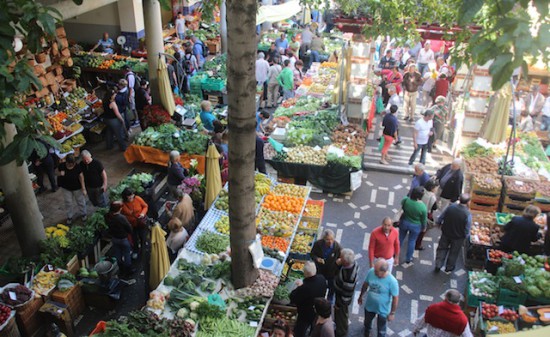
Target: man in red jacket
(384, 243)
(445, 318)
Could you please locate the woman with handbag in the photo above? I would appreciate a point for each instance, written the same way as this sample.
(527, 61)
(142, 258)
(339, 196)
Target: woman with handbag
(134, 208)
(430, 200)
(413, 221)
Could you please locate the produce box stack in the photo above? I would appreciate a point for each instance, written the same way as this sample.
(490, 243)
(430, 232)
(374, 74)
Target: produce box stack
(494, 260)
(518, 194)
(480, 239)
(497, 319)
(72, 298)
(29, 319)
(486, 192)
(283, 312)
(312, 217)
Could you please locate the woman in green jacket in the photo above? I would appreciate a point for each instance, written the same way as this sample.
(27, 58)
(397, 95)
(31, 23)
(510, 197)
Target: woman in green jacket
(413, 221)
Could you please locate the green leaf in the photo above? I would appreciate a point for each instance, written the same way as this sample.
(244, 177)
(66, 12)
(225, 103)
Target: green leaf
(48, 22)
(469, 10)
(542, 7)
(502, 76)
(9, 154)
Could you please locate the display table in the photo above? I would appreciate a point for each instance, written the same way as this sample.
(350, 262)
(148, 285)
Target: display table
(331, 178)
(150, 155)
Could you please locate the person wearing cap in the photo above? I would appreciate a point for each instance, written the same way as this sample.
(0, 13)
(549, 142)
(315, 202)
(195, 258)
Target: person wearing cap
(423, 129)
(71, 181)
(411, 83)
(445, 318)
(440, 118)
(389, 133)
(534, 102)
(382, 299)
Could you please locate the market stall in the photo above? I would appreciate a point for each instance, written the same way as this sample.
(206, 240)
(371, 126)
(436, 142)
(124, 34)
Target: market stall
(309, 143)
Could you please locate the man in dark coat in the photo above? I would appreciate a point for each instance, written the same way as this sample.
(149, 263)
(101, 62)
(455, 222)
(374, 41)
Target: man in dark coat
(450, 179)
(314, 285)
(324, 253)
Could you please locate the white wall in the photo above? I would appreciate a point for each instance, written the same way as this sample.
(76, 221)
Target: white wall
(89, 27)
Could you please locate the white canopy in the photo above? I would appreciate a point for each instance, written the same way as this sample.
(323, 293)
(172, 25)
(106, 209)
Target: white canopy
(278, 12)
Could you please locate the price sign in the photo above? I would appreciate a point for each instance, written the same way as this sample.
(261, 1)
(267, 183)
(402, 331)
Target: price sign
(517, 279)
(13, 296)
(519, 183)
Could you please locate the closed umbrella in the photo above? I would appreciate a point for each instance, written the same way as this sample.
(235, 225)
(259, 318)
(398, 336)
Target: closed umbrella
(213, 176)
(494, 128)
(165, 90)
(160, 262)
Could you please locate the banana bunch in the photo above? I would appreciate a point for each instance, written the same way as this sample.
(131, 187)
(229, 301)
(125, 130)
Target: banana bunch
(44, 282)
(262, 188)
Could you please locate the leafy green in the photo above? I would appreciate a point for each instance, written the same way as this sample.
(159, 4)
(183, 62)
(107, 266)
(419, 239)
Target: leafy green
(168, 137)
(137, 182)
(212, 243)
(350, 161)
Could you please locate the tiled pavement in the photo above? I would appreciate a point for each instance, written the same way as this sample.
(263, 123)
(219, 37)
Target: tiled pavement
(352, 218)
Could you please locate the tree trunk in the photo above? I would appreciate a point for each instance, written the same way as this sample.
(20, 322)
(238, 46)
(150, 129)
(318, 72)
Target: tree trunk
(155, 45)
(223, 26)
(241, 88)
(21, 202)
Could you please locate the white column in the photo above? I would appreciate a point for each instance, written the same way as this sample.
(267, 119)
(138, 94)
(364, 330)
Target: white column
(223, 26)
(130, 13)
(266, 25)
(154, 41)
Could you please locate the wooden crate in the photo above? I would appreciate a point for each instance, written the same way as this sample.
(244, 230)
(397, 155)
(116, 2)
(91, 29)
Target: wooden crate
(214, 46)
(73, 299)
(10, 329)
(29, 320)
(483, 207)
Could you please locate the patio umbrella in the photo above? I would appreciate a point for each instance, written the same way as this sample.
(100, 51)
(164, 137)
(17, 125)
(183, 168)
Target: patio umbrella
(494, 128)
(213, 176)
(166, 95)
(160, 263)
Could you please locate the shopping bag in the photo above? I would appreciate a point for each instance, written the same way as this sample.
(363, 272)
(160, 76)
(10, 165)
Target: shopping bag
(397, 218)
(379, 105)
(276, 145)
(381, 145)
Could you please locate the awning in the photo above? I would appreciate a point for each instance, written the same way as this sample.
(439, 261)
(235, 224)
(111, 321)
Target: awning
(278, 12)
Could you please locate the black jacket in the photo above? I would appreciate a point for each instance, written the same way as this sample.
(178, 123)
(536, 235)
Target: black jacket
(329, 268)
(303, 296)
(453, 187)
(518, 234)
(119, 227)
(455, 222)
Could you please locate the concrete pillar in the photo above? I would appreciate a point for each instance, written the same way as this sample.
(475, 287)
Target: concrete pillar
(154, 41)
(223, 26)
(130, 13)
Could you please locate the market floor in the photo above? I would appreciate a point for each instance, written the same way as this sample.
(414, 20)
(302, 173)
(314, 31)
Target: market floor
(353, 218)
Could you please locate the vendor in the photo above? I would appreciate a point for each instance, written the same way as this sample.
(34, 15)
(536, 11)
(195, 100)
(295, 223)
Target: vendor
(176, 173)
(521, 231)
(206, 115)
(261, 118)
(106, 44)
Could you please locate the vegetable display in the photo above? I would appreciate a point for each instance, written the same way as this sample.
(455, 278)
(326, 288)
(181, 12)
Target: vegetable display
(136, 182)
(212, 243)
(21, 293)
(168, 137)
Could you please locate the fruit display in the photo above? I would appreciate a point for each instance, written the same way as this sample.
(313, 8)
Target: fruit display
(313, 210)
(329, 64)
(291, 190)
(45, 281)
(317, 89)
(490, 311)
(288, 314)
(264, 286)
(276, 243)
(307, 155)
(222, 225)
(500, 327)
(480, 234)
(496, 255)
(483, 165)
(308, 226)
(283, 203)
(302, 243)
(262, 184)
(21, 294)
(486, 182)
(350, 134)
(223, 201)
(78, 94)
(5, 314)
(276, 223)
(496, 234)
(253, 307)
(298, 266)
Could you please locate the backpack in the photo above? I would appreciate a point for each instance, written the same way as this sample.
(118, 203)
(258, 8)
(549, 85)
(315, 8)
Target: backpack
(187, 64)
(204, 49)
(137, 79)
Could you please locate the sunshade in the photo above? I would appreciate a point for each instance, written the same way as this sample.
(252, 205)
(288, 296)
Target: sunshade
(213, 176)
(166, 96)
(276, 13)
(160, 263)
(495, 129)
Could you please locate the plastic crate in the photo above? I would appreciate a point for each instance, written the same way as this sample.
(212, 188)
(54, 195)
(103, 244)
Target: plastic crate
(314, 219)
(511, 298)
(534, 301)
(497, 214)
(213, 84)
(490, 266)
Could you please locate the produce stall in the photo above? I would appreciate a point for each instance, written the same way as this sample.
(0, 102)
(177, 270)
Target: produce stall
(310, 143)
(202, 300)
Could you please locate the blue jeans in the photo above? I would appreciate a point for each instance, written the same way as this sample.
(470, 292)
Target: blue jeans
(288, 94)
(422, 149)
(181, 35)
(380, 323)
(115, 129)
(314, 57)
(413, 230)
(123, 252)
(545, 123)
(422, 68)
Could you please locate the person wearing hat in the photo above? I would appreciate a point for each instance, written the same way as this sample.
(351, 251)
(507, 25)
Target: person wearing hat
(71, 181)
(440, 118)
(423, 129)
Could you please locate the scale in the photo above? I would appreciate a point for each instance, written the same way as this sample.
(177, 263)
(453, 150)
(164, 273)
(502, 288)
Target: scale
(121, 40)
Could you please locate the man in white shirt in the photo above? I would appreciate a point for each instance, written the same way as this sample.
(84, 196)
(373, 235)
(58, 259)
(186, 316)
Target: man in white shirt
(423, 129)
(262, 68)
(534, 102)
(180, 26)
(425, 57)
